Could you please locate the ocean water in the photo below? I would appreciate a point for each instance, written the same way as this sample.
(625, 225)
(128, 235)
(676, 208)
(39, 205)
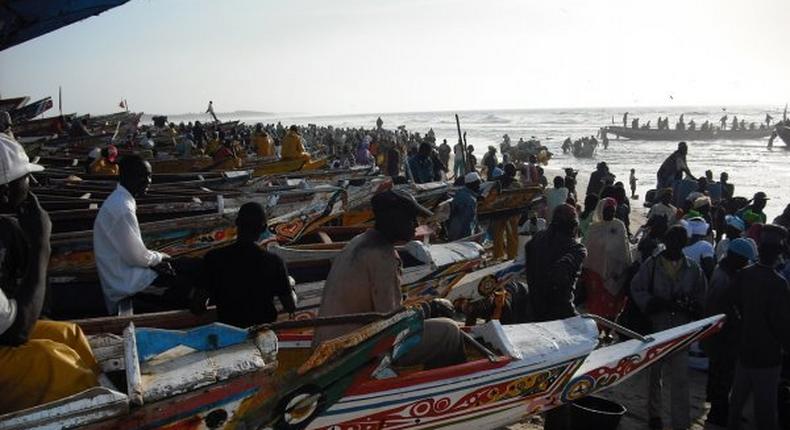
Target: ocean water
(751, 165)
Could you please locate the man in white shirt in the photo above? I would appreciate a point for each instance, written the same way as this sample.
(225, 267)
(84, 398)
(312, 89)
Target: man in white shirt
(126, 267)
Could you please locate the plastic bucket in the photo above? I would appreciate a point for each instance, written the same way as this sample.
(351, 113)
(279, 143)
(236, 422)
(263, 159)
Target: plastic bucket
(596, 413)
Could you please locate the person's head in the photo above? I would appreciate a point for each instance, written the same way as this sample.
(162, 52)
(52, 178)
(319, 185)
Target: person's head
(425, 149)
(759, 201)
(633, 170)
(135, 174)
(697, 228)
(657, 226)
(709, 175)
(741, 252)
(724, 177)
(293, 128)
(772, 243)
(734, 226)
(258, 127)
(665, 196)
(491, 150)
(396, 214)
(608, 207)
(702, 184)
(559, 182)
(15, 170)
(472, 180)
(533, 159)
(683, 148)
(564, 220)
(250, 222)
(675, 240)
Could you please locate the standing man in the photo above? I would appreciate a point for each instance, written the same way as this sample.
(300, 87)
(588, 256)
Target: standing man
(126, 267)
(463, 208)
(242, 279)
(40, 361)
(490, 161)
(553, 263)
(762, 298)
(721, 370)
(365, 277)
(210, 111)
(670, 289)
(673, 167)
(444, 153)
(625, 120)
(756, 206)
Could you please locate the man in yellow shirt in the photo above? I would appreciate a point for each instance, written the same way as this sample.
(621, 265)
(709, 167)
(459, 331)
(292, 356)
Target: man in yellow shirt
(264, 145)
(292, 146)
(40, 361)
(106, 163)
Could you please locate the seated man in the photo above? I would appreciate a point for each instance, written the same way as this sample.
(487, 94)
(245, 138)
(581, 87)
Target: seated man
(40, 361)
(126, 267)
(105, 164)
(365, 277)
(292, 148)
(264, 145)
(243, 279)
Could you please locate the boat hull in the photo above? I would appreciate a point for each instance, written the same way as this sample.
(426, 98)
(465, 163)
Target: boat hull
(678, 135)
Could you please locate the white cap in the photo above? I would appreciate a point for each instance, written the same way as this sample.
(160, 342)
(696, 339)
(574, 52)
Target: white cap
(14, 163)
(472, 177)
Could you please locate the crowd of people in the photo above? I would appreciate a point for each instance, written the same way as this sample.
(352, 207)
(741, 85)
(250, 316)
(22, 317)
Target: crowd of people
(701, 253)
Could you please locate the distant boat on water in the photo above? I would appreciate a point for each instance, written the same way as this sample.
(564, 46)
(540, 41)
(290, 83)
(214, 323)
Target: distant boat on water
(678, 135)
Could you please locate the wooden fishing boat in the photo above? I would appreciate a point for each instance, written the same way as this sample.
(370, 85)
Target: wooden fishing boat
(43, 126)
(12, 103)
(215, 376)
(678, 135)
(287, 166)
(220, 377)
(784, 133)
(30, 111)
(497, 202)
(522, 370)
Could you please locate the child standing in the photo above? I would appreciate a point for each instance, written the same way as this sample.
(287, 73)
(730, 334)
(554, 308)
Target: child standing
(632, 179)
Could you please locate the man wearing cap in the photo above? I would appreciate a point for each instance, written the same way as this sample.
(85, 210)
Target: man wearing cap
(761, 297)
(670, 289)
(754, 211)
(734, 228)
(40, 361)
(366, 277)
(719, 346)
(698, 249)
(463, 208)
(673, 167)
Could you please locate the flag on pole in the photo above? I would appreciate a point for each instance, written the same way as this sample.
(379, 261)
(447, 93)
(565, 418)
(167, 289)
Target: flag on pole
(122, 104)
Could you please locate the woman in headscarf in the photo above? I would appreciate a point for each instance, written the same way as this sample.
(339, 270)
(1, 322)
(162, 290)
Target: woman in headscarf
(363, 155)
(605, 269)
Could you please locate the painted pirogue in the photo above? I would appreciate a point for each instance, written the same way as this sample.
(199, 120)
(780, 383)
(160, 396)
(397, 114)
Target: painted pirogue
(231, 378)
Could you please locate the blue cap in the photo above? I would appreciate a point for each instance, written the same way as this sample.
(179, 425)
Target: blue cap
(744, 248)
(735, 221)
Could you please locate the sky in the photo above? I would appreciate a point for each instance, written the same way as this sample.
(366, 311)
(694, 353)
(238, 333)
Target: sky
(365, 56)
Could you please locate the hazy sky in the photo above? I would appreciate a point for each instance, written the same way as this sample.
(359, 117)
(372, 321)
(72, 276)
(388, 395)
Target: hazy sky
(344, 56)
